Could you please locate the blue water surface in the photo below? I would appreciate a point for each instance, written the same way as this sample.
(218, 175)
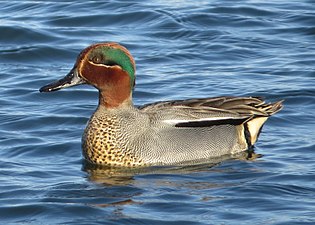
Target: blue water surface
(183, 49)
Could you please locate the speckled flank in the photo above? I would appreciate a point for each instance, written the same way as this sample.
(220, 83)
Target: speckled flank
(102, 144)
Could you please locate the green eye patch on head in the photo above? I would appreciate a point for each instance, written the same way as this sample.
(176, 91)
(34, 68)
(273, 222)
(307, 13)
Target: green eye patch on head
(111, 55)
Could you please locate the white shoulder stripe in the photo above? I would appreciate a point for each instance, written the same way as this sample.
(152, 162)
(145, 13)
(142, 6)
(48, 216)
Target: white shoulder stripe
(177, 121)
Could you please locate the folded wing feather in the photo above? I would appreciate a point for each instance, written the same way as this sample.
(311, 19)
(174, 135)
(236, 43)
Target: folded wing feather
(210, 111)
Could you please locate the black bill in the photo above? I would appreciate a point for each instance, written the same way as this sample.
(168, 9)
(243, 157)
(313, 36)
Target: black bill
(70, 80)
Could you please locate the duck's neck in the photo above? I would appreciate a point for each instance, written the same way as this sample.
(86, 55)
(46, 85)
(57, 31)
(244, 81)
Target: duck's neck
(115, 98)
(115, 88)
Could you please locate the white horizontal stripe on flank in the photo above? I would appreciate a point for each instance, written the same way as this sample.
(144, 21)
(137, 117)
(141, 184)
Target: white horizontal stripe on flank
(172, 122)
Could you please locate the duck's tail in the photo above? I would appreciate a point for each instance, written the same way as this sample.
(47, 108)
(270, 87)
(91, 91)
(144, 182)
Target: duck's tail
(271, 108)
(254, 125)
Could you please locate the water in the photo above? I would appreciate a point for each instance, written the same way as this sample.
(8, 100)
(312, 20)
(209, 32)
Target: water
(183, 49)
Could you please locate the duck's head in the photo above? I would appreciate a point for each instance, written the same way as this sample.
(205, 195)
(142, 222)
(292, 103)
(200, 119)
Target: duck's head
(107, 66)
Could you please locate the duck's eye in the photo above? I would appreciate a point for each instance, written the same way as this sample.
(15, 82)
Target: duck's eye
(96, 59)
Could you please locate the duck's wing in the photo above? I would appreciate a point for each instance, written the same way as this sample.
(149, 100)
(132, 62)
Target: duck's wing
(210, 111)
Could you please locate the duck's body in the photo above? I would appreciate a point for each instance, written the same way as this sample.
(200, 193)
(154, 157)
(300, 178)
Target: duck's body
(169, 132)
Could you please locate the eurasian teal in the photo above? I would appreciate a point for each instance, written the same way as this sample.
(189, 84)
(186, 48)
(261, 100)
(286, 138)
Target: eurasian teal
(169, 132)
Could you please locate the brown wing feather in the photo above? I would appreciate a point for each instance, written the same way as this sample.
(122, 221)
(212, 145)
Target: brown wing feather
(254, 106)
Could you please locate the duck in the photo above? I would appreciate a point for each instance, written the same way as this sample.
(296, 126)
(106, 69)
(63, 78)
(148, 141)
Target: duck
(161, 133)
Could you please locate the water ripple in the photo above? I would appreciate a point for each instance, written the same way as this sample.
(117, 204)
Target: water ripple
(182, 50)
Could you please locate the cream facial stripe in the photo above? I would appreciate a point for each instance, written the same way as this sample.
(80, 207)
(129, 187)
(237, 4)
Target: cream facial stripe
(121, 58)
(111, 56)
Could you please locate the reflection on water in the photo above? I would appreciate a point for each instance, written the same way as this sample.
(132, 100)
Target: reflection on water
(125, 176)
(183, 49)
